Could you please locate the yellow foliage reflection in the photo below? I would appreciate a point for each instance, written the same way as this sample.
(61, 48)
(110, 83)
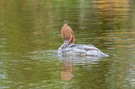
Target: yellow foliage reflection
(113, 10)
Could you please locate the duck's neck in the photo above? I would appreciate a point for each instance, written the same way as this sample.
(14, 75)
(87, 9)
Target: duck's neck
(70, 41)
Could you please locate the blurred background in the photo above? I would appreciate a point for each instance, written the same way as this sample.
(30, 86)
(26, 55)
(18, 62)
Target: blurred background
(30, 37)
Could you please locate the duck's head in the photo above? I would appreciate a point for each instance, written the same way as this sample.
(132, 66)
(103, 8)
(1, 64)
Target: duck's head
(67, 34)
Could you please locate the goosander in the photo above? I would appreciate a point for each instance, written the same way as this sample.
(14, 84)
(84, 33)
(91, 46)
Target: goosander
(69, 48)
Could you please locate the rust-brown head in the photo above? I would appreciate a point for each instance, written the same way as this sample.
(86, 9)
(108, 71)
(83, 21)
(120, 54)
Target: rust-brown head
(67, 34)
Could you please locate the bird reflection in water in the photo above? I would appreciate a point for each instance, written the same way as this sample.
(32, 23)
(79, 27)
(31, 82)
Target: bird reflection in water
(69, 64)
(67, 70)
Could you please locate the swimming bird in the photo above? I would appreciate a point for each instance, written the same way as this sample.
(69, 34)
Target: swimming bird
(69, 48)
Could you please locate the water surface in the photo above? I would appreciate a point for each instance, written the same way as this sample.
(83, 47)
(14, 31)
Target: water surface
(30, 37)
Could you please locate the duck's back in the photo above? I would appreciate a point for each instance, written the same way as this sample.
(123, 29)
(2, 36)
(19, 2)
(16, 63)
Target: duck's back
(80, 50)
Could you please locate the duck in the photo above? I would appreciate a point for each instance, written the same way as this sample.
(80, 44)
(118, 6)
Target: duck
(70, 48)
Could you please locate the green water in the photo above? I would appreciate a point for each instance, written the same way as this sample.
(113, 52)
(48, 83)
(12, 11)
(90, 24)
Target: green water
(30, 37)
